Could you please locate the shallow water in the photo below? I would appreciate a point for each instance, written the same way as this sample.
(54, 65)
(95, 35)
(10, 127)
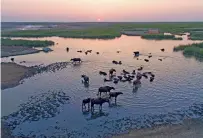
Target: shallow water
(175, 94)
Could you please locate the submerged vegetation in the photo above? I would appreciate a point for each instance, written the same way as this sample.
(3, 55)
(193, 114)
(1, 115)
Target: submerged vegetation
(160, 37)
(27, 43)
(107, 30)
(195, 49)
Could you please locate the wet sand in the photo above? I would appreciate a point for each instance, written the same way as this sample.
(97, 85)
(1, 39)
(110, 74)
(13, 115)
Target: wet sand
(191, 128)
(12, 74)
(17, 50)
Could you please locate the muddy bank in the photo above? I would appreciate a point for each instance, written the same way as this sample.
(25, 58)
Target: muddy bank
(191, 128)
(7, 51)
(13, 74)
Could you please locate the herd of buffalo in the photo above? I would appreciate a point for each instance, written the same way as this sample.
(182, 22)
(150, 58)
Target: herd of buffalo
(135, 77)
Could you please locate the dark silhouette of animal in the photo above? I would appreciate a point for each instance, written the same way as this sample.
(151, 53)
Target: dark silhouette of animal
(160, 59)
(115, 80)
(162, 49)
(118, 51)
(76, 60)
(79, 51)
(136, 53)
(86, 52)
(86, 101)
(120, 62)
(133, 72)
(97, 53)
(115, 62)
(146, 60)
(90, 51)
(145, 75)
(139, 76)
(151, 79)
(105, 89)
(12, 59)
(115, 95)
(85, 79)
(140, 68)
(125, 72)
(67, 49)
(102, 73)
(99, 101)
(111, 71)
(120, 77)
(149, 56)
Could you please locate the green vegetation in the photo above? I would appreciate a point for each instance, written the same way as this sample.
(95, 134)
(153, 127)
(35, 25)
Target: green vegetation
(110, 30)
(196, 35)
(160, 37)
(27, 43)
(103, 33)
(195, 49)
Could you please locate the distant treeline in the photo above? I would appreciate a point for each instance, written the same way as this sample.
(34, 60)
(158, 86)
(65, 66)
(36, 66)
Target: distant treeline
(27, 43)
(195, 49)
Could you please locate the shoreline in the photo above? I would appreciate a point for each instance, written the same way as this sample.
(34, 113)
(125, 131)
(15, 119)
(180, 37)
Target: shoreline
(190, 128)
(13, 73)
(7, 51)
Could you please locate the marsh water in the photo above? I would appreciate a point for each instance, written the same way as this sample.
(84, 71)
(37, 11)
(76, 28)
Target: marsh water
(174, 95)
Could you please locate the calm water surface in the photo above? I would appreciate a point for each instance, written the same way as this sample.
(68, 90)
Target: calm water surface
(175, 92)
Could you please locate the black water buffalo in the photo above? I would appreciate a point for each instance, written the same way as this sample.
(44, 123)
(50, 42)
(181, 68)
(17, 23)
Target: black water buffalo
(86, 101)
(99, 101)
(162, 49)
(140, 68)
(149, 56)
(160, 59)
(146, 60)
(79, 51)
(67, 49)
(133, 72)
(76, 60)
(102, 73)
(151, 79)
(114, 94)
(115, 62)
(85, 79)
(125, 72)
(111, 71)
(105, 89)
(97, 53)
(136, 53)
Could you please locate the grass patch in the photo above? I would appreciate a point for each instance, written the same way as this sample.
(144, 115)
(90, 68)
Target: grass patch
(196, 35)
(160, 37)
(26, 43)
(195, 49)
(110, 31)
(94, 33)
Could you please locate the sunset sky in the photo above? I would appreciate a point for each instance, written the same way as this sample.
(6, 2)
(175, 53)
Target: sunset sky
(102, 10)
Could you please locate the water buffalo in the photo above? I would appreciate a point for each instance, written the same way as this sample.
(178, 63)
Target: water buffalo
(67, 49)
(146, 60)
(85, 79)
(105, 89)
(97, 53)
(136, 53)
(102, 73)
(86, 101)
(115, 80)
(111, 71)
(151, 79)
(145, 75)
(120, 77)
(115, 62)
(79, 51)
(162, 49)
(120, 62)
(76, 60)
(99, 101)
(114, 94)
(160, 59)
(149, 56)
(133, 72)
(140, 68)
(118, 51)
(125, 72)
